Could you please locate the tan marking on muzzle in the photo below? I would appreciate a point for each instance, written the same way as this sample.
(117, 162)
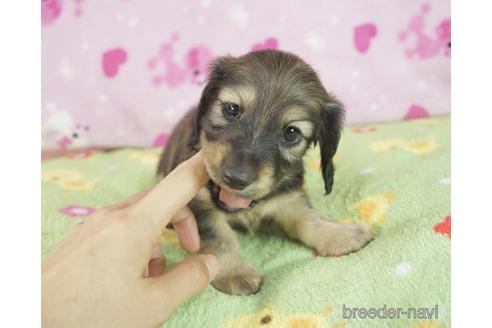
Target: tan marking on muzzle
(214, 152)
(265, 181)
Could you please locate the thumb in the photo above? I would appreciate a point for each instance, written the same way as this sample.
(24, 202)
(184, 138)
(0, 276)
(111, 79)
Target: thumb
(186, 279)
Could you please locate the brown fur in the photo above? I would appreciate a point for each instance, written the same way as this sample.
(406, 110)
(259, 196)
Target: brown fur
(274, 91)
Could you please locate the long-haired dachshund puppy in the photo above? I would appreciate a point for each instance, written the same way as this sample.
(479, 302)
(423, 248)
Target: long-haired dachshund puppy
(257, 116)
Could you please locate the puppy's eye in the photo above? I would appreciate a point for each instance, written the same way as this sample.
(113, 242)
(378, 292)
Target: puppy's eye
(292, 135)
(232, 110)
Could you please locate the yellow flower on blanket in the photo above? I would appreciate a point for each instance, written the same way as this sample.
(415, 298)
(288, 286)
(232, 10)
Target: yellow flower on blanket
(328, 311)
(61, 175)
(427, 324)
(416, 146)
(68, 179)
(372, 209)
(77, 185)
(273, 319)
(170, 236)
(382, 146)
(426, 146)
(314, 163)
(146, 156)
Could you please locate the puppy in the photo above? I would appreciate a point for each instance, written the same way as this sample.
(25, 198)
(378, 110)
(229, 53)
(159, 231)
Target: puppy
(257, 116)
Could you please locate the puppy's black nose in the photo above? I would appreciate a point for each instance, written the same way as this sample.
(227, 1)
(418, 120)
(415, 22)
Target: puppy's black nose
(237, 178)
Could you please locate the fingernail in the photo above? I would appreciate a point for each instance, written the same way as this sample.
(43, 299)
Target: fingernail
(212, 265)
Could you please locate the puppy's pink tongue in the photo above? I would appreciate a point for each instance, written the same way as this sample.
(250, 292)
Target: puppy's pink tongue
(232, 200)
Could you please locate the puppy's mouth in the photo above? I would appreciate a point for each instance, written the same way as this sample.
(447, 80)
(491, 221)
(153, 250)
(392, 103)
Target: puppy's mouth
(228, 200)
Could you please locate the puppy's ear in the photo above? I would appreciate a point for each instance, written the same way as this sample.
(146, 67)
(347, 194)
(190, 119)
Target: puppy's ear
(328, 135)
(218, 74)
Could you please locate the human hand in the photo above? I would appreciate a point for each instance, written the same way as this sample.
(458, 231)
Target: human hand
(108, 271)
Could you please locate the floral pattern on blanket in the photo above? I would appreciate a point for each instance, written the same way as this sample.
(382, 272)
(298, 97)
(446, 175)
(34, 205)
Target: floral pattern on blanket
(403, 195)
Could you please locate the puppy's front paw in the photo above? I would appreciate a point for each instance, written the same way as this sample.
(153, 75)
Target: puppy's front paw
(243, 281)
(338, 239)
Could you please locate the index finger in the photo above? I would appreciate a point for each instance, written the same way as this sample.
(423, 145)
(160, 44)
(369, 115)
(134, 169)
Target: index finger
(170, 195)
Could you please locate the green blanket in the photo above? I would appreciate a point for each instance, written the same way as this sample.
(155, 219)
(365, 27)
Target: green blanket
(395, 177)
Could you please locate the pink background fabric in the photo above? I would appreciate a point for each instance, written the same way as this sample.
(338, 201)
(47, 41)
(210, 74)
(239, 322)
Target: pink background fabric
(122, 72)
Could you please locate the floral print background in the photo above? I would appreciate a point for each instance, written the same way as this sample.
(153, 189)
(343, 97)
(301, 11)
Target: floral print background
(395, 177)
(122, 72)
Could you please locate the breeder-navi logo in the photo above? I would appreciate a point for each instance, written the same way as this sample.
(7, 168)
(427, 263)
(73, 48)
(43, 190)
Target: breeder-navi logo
(390, 313)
